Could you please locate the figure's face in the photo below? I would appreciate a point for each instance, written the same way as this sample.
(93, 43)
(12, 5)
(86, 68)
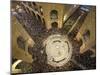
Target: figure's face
(58, 50)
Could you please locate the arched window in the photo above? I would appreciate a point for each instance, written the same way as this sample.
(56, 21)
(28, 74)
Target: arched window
(54, 14)
(41, 10)
(39, 18)
(43, 21)
(21, 42)
(86, 35)
(54, 25)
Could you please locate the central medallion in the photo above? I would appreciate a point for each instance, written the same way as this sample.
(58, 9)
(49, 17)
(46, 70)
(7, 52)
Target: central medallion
(58, 50)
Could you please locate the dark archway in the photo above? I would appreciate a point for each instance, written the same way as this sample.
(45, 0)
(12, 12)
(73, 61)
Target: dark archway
(54, 14)
(54, 25)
